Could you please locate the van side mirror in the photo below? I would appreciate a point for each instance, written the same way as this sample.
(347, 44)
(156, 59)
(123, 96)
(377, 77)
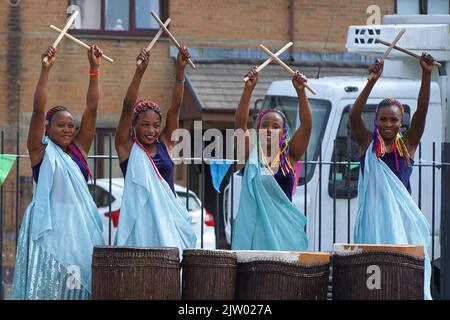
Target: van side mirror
(442, 70)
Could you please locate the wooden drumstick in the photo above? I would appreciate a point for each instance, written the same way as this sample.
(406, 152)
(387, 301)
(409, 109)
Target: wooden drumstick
(63, 31)
(84, 45)
(150, 46)
(388, 51)
(175, 42)
(268, 61)
(284, 65)
(412, 54)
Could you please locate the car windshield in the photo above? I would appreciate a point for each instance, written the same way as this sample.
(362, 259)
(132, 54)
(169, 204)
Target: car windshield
(101, 196)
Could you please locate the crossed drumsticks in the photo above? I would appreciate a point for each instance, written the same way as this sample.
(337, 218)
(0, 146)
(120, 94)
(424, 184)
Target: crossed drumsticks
(393, 45)
(272, 56)
(164, 25)
(63, 33)
(408, 52)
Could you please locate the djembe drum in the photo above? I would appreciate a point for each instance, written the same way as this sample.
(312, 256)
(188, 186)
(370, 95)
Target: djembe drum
(282, 275)
(209, 274)
(378, 272)
(122, 273)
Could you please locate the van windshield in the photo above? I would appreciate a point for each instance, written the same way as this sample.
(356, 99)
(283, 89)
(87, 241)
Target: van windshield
(320, 112)
(343, 179)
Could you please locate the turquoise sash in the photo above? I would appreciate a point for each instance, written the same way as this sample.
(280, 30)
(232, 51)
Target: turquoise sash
(61, 226)
(266, 219)
(387, 214)
(151, 215)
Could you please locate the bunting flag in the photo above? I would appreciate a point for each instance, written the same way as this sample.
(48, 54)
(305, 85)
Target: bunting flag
(353, 165)
(6, 163)
(219, 169)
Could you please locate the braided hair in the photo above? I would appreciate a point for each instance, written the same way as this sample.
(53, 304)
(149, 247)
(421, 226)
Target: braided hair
(390, 102)
(144, 105)
(50, 113)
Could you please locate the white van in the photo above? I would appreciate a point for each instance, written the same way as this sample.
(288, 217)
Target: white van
(331, 219)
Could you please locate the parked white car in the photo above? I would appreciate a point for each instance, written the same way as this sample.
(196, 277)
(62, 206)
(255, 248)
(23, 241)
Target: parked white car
(100, 193)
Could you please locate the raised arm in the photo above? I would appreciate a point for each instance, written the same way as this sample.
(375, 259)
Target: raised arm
(300, 140)
(418, 120)
(173, 114)
(88, 121)
(122, 140)
(37, 123)
(242, 113)
(360, 132)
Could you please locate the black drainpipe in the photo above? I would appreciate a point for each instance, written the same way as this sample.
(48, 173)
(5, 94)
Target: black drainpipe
(13, 63)
(291, 29)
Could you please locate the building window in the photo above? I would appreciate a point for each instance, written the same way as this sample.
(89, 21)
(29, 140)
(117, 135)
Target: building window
(408, 7)
(438, 7)
(422, 6)
(117, 17)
